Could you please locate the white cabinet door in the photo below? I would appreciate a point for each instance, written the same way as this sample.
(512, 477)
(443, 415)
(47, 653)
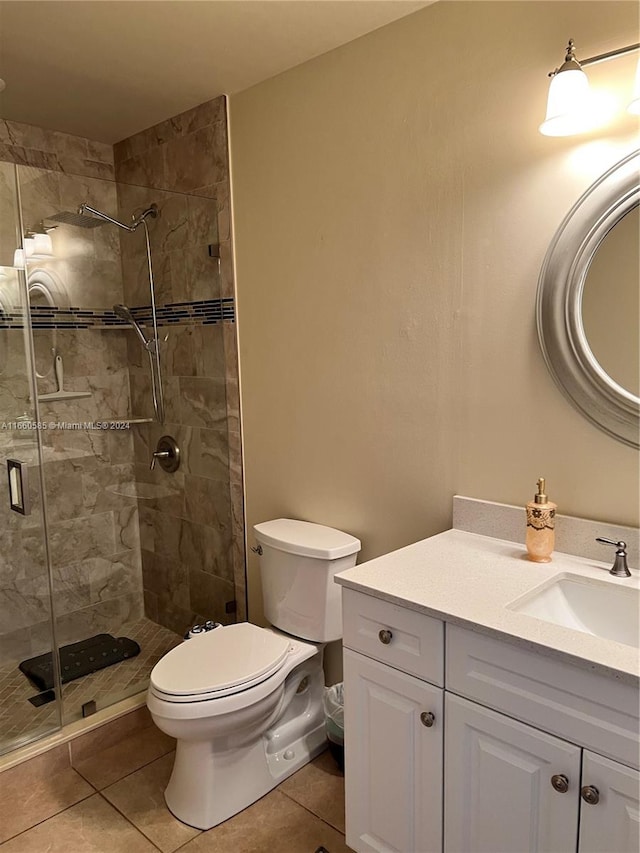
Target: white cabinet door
(611, 823)
(499, 797)
(393, 759)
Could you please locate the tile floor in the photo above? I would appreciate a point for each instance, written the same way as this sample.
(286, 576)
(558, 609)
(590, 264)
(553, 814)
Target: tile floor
(20, 721)
(110, 800)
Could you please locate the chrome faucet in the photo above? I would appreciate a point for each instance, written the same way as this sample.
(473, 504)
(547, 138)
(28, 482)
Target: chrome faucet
(620, 569)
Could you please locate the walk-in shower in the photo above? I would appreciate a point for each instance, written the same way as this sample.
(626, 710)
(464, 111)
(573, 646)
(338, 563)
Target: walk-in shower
(112, 551)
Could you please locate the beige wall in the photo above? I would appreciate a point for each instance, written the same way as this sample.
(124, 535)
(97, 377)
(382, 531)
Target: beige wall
(393, 204)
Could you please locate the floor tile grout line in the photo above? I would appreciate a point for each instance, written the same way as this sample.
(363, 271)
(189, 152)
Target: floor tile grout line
(306, 808)
(126, 775)
(49, 817)
(130, 822)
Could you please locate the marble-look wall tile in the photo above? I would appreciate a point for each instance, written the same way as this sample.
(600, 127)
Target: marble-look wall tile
(200, 277)
(166, 578)
(15, 646)
(203, 402)
(147, 170)
(197, 118)
(207, 502)
(95, 580)
(160, 491)
(89, 536)
(24, 602)
(64, 491)
(120, 574)
(210, 351)
(192, 524)
(28, 157)
(202, 214)
(210, 594)
(51, 149)
(106, 488)
(200, 546)
(209, 455)
(180, 351)
(186, 168)
(126, 527)
(103, 617)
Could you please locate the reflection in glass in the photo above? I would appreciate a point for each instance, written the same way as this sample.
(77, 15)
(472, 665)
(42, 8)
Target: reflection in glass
(611, 303)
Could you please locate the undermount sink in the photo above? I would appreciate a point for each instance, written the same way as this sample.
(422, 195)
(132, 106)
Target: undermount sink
(607, 610)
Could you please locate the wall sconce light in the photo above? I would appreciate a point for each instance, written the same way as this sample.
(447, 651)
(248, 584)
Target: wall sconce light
(570, 107)
(42, 246)
(36, 246)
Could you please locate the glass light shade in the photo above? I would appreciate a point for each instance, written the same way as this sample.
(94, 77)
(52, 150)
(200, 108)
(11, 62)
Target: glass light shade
(43, 247)
(29, 245)
(569, 106)
(634, 106)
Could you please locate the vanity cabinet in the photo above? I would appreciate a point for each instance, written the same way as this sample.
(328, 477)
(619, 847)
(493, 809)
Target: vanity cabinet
(612, 821)
(510, 787)
(499, 796)
(393, 758)
(538, 754)
(393, 720)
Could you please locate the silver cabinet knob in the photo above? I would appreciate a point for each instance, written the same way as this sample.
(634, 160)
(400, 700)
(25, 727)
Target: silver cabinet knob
(427, 719)
(560, 783)
(590, 794)
(385, 636)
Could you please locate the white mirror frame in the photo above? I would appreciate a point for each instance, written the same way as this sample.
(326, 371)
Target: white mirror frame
(564, 344)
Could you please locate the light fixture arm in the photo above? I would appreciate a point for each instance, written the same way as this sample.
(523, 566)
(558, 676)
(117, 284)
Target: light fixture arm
(593, 60)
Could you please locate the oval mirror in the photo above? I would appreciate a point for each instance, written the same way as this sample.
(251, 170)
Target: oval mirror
(587, 303)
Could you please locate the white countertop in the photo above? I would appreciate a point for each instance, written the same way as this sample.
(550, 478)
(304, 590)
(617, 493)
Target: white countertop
(469, 580)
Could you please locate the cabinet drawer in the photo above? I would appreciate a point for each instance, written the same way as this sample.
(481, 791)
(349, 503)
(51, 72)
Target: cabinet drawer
(416, 644)
(584, 707)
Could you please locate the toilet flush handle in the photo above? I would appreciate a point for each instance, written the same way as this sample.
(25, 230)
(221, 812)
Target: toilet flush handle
(257, 550)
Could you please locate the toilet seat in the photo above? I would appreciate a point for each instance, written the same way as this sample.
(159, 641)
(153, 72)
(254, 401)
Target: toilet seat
(218, 663)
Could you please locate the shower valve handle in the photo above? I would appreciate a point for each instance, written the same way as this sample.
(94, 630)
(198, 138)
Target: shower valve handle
(167, 453)
(158, 454)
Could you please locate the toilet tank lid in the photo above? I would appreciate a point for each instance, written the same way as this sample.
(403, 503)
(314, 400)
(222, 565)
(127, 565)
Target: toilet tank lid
(306, 539)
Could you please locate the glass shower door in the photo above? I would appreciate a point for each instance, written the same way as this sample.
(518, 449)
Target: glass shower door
(29, 701)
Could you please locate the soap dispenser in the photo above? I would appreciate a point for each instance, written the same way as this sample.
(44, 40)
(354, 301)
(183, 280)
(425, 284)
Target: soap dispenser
(541, 522)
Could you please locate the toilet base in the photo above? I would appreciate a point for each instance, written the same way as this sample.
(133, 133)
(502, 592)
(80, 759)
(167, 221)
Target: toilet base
(211, 782)
(246, 779)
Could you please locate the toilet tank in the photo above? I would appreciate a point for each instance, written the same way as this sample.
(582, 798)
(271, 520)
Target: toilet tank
(297, 565)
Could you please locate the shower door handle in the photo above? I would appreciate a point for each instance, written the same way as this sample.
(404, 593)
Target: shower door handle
(18, 473)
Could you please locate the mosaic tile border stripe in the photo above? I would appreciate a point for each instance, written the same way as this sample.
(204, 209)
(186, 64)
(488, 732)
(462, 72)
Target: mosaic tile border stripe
(204, 313)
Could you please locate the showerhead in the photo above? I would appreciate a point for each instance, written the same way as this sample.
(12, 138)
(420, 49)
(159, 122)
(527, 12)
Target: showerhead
(125, 314)
(98, 217)
(66, 217)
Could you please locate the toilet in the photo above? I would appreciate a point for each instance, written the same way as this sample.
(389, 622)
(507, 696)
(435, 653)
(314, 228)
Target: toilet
(243, 702)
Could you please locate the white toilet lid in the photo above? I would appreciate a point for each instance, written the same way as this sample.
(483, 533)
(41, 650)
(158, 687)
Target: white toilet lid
(232, 656)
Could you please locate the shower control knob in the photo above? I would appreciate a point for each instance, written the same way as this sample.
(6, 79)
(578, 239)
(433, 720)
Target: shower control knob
(167, 453)
(385, 636)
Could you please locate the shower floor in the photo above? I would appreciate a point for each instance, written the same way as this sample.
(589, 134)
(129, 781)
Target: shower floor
(21, 722)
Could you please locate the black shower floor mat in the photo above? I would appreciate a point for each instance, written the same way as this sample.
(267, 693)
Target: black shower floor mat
(78, 659)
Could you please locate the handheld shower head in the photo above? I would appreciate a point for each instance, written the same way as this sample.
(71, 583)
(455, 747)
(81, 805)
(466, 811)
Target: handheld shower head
(125, 314)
